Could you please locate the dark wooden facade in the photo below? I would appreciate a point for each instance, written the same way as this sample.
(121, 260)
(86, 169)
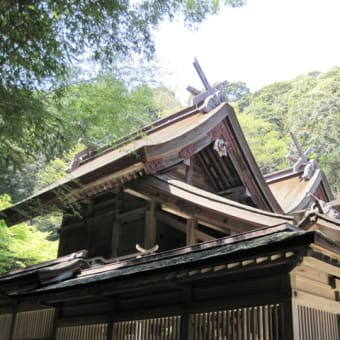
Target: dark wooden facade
(265, 284)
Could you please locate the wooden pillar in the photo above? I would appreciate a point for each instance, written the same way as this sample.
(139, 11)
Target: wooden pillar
(116, 226)
(115, 238)
(191, 231)
(287, 323)
(185, 327)
(150, 235)
(14, 316)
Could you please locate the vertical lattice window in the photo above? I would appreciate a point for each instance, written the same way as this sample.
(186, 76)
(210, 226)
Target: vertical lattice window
(166, 328)
(83, 332)
(260, 322)
(315, 324)
(37, 324)
(5, 326)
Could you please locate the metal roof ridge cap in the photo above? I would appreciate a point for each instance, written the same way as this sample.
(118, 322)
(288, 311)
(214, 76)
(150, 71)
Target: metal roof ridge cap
(220, 199)
(206, 118)
(147, 129)
(275, 176)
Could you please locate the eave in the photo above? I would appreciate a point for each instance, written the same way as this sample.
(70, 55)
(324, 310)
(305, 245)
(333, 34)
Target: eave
(187, 201)
(156, 149)
(293, 193)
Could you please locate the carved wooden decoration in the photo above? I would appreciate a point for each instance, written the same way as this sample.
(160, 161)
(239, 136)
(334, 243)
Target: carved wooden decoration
(154, 165)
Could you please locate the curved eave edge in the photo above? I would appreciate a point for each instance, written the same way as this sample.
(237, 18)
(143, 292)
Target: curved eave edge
(159, 185)
(253, 167)
(145, 159)
(65, 197)
(63, 193)
(317, 180)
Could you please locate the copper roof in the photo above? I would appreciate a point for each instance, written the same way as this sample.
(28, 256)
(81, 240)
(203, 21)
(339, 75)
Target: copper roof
(141, 154)
(162, 186)
(293, 193)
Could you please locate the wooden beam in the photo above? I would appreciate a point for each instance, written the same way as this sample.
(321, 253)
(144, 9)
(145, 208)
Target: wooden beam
(150, 226)
(201, 236)
(174, 223)
(317, 302)
(321, 266)
(137, 193)
(170, 221)
(132, 215)
(201, 74)
(211, 220)
(193, 90)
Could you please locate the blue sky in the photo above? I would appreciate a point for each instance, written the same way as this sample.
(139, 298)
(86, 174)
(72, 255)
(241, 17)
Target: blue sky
(263, 42)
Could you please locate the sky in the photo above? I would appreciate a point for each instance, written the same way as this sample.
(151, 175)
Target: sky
(263, 42)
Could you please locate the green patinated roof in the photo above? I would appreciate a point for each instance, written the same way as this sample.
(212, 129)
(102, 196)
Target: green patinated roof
(176, 259)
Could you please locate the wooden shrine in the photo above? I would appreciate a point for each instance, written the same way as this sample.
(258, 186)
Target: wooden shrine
(174, 233)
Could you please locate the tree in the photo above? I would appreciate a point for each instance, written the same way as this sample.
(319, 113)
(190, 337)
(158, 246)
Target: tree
(264, 140)
(98, 112)
(309, 106)
(236, 90)
(23, 244)
(103, 110)
(26, 127)
(5, 252)
(41, 39)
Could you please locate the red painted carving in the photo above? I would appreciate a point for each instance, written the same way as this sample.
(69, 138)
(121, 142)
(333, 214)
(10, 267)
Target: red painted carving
(187, 151)
(154, 165)
(219, 131)
(320, 193)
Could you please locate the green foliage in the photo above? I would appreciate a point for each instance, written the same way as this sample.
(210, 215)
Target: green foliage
(51, 173)
(270, 103)
(101, 111)
(42, 39)
(29, 245)
(23, 244)
(310, 107)
(26, 127)
(235, 91)
(270, 151)
(5, 252)
(165, 100)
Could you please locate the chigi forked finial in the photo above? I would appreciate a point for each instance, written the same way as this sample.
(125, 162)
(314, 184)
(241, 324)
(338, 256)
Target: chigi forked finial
(212, 96)
(302, 162)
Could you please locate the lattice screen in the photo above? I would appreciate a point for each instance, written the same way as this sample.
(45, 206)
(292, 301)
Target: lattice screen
(315, 324)
(84, 332)
(166, 328)
(5, 326)
(37, 324)
(251, 323)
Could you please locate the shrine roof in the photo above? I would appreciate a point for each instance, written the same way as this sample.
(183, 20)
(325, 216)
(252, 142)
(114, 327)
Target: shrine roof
(151, 150)
(269, 246)
(293, 192)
